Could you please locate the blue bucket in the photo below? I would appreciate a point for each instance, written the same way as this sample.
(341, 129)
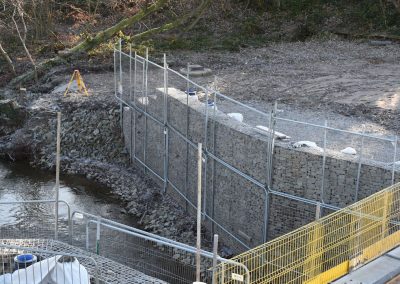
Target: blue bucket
(210, 103)
(24, 260)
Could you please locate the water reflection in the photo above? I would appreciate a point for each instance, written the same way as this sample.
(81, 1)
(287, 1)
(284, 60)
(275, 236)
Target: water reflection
(21, 182)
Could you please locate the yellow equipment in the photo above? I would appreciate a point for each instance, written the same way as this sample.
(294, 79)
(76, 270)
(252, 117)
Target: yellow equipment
(79, 80)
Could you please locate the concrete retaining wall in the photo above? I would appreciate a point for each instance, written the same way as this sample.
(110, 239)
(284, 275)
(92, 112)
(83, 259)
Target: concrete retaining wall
(231, 200)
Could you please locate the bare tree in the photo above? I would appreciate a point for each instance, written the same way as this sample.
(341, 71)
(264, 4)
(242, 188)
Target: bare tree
(19, 10)
(3, 52)
(7, 58)
(396, 4)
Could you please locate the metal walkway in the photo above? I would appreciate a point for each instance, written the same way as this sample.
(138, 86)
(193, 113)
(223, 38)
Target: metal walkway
(109, 271)
(378, 271)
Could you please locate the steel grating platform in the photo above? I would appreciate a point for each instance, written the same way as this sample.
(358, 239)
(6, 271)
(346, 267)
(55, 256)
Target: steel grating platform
(109, 271)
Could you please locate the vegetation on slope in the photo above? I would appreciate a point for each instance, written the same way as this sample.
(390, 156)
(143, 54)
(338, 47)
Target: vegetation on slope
(32, 31)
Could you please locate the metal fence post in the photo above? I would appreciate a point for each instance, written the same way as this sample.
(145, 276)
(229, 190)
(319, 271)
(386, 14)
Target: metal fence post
(145, 98)
(270, 156)
(134, 103)
(98, 235)
(324, 163)
(359, 166)
(120, 89)
(215, 259)
(394, 157)
(58, 150)
(318, 212)
(198, 236)
(165, 120)
(213, 168)
(187, 138)
(87, 235)
(130, 102)
(115, 74)
(205, 156)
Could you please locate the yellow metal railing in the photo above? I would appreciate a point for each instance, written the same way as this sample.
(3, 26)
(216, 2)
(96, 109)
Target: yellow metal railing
(325, 249)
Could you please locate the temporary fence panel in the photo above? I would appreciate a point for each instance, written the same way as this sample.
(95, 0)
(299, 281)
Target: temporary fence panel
(329, 247)
(165, 115)
(155, 256)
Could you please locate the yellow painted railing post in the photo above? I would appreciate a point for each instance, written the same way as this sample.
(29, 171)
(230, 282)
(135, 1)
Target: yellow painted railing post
(312, 264)
(387, 204)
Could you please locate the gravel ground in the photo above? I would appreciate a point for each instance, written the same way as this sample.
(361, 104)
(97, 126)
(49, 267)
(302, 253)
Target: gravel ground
(352, 85)
(351, 78)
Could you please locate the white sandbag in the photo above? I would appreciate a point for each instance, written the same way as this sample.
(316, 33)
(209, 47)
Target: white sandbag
(349, 151)
(278, 135)
(236, 115)
(52, 270)
(308, 144)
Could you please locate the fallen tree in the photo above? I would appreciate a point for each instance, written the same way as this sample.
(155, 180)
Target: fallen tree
(105, 35)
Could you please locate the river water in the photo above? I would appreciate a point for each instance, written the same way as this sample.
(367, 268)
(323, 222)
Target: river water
(19, 182)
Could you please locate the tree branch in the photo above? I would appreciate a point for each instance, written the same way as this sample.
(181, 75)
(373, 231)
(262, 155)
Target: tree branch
(8, 59)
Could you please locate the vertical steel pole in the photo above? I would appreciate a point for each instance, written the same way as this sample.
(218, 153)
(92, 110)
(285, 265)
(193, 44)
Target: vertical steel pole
(394, 157)
(134, 103)
(145, 98)
(359, 167)
(115, 75)
(324, 162)
(120, 87)
(187, 138)
(57, 171)
(98, 235)
(130, 75)
(198, 239)
(213, 169)
(165, 115)
(215, 259)
(130, 103)
(318, 212)
(270, 157)
(87, 234)
(205, 157)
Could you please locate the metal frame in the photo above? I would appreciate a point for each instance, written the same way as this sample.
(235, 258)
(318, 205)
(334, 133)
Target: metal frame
(47, 253)
(266, 188)
(131, 231)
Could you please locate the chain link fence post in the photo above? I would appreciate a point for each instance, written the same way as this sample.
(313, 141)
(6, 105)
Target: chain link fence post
(359, 166)
(165, 120)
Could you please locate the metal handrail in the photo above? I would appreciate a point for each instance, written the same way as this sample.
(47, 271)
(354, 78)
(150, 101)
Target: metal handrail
(160, 240)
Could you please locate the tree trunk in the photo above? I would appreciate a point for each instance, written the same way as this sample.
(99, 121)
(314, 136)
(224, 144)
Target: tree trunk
(107, 34)
(396, 4)
(8, 59)
(103, 36)
(88, 44)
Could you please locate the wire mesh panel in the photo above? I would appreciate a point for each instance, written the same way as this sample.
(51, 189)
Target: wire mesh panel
(286, 215)
(326, 249)
(21, 265)
(298, 165)
(377, 159)
(129, 246)
(175, 114)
